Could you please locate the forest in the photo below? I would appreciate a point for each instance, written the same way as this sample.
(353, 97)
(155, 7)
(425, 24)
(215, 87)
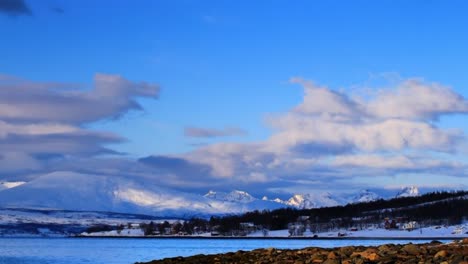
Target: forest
(434, 208)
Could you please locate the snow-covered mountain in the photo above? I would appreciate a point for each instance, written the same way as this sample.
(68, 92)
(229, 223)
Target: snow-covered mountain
(365, 196)
(312, 200)
(243, 199)
(83, 192)
(300, 201)
(410, 191)
(234, 196)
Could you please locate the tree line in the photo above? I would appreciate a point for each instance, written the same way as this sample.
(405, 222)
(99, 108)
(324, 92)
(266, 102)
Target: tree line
(436, 207)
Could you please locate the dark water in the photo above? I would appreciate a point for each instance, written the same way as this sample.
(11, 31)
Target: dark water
(126, 251)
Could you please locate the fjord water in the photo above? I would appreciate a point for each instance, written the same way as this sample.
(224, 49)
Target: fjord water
(126, 251)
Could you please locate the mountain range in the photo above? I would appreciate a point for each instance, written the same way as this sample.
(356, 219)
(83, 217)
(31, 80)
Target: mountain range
(82, 192)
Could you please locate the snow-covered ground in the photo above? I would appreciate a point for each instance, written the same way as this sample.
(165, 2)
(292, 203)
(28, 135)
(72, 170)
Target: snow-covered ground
(51, 223)
(82, 192)
(433, 231)
(427, 232)
(137, 232)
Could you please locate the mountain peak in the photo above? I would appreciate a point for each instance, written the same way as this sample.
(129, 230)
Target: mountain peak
(233, 196)
(365, 196)
(210, 194)
(311, 200)
(409, 191)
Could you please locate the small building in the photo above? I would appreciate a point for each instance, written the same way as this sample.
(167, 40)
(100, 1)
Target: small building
(296, 229)
(409, 225)
(247, 227)
(134, 226)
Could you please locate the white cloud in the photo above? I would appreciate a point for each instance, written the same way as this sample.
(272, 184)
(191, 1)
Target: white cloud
(330, 132)
(43, 121)
(35, 129)
(326, 140)
(415, 99)
(325, 102)
(112, 96)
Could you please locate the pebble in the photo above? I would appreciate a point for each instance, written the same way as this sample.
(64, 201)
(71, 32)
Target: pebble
(429, 253)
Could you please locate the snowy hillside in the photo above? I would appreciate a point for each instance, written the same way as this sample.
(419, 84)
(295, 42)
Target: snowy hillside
(365, 196)
(243, 199)
(82, 192)
(234, 196)
(312, 200)
(410, 191)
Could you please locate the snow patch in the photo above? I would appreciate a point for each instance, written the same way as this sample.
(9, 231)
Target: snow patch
(312, 200)
(365, 196)
(410, 191)
(9, 185)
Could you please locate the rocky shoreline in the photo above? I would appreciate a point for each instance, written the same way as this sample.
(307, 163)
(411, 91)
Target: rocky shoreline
(434, 252)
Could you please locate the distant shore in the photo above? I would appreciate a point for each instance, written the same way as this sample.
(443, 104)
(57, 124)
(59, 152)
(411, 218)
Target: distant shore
(433, 252)
(278, 237)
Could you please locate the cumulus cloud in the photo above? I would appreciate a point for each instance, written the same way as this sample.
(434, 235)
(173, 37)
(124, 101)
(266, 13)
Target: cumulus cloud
(335, 135)
(415, 99)
(198, 132)
(328, 135)
(396, 119)
(322, 101)
(326, 140)
(14, 7)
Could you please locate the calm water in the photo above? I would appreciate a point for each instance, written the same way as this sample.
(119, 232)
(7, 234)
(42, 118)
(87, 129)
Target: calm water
(126, 251)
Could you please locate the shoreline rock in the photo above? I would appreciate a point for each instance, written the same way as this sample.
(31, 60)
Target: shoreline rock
(428, 253)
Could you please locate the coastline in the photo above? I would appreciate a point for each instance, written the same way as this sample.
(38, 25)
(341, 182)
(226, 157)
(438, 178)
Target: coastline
(433, 252)
(275, 238)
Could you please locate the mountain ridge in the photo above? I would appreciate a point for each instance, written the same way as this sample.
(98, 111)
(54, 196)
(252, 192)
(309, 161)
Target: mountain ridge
(83, 192)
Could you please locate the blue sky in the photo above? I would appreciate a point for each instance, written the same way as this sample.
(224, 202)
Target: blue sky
(226, 66)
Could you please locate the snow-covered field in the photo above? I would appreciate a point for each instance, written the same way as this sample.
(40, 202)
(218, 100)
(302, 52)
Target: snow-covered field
(50, 223)
(433, 231)
(29, 222)
(114, 233)
(427, 232)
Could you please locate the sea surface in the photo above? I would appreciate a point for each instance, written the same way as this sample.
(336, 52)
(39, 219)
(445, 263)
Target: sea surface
(126, 251)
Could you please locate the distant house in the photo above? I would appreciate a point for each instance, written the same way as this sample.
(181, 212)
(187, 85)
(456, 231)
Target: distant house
(409, 225)
(247, 225)
(246, 228)
(134, 226)
(296, 229)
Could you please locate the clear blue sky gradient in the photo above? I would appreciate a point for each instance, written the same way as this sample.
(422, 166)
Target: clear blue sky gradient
(227, 63)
